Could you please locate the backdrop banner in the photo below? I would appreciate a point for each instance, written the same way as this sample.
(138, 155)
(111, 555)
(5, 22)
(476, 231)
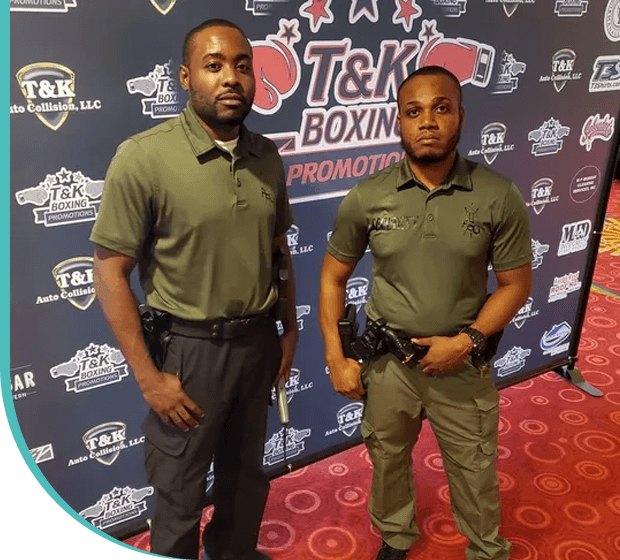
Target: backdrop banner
(541, 85)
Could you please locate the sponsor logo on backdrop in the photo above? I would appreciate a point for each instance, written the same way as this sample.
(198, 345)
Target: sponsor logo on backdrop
(510, 7)
(295, 444)
(63, 198)
(159, 90)
(507, 77)
(210, 478)
(562, 69)
(612, 20)
(262, 7)
(597, 128)
(349, 418)
(492, 142)
(43, 453)
(554, 341)
(105, 442)
(357, 292)
(564, 285)
(43, 6)
(585, 183)
(538, 250)
(302, 311)
(23, 383)
(512, 361)
(74, 278)
(117, 506)
(163, 6)
(525, 313)
(451, 8)
(406, 12)
(575, 236)
(571, 8)
(93, 367)
(541, 194)
(293, 386)
(363, 8)
(547, 138)
(292, 238)
(605, 73)
(50, 92)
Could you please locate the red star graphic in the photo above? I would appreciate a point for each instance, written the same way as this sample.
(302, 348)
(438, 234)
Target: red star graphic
(316, 10)
(408, 11)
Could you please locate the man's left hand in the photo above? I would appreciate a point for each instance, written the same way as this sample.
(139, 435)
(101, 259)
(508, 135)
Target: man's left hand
(444, 354)
(288, 343)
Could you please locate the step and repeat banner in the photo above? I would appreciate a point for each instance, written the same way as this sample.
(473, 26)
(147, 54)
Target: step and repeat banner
(541, 82)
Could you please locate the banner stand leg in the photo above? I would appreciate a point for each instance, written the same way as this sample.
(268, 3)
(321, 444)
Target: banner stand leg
(573, 375)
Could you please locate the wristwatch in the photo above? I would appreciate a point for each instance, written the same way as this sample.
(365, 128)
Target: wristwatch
(478, 339)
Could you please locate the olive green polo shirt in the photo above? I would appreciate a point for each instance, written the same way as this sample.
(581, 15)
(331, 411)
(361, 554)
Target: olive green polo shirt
(200, 222)
(431, 249)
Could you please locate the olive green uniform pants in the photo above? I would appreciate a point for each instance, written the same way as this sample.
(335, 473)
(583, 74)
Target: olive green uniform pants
(462, 407)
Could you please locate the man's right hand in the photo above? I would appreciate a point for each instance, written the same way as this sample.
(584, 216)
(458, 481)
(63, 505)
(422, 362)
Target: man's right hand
(346, 378)
(166, 396)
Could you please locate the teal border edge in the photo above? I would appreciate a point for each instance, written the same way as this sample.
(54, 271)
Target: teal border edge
(5, 385)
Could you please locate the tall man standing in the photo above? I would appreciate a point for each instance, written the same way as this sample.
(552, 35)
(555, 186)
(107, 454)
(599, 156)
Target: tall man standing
(199, 204)
(433, 221)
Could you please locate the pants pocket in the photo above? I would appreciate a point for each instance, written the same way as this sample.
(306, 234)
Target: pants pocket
(488, 420)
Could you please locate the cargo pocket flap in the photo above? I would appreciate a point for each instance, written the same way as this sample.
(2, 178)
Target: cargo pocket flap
(168, 439)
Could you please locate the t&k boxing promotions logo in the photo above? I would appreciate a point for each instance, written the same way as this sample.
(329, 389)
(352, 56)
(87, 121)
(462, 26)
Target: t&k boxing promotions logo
(293, 386)
(163, 6)
(160, 92)
(302, 310)
(547, 139)
(118, 506)
(262, 7)
(564, 285)
(74, 278)
(541, 194)
(605, 73)
(612, 20)
(507, 79)
(512, 361)
(597, 128)
(50, 92)
(43, 453)
(65, 197)
(575, 237)
(349, 419)
(93, 367)
(43, 6)
(562, 69)
(451, 8)
(553, 341)
(492, 142)
(22, 382)
(294, 440)
(525, 313)
(571, 8)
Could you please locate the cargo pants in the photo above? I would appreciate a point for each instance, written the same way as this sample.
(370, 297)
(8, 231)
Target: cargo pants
(462, 407)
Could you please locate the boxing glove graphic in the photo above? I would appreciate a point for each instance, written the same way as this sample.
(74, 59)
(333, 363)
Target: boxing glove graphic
(471, 62)
(276, 70)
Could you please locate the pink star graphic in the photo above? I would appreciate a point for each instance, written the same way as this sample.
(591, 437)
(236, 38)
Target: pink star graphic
(408, 10)
(317, 11)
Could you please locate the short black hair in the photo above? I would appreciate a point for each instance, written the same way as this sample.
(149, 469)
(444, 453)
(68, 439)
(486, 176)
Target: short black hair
(432, 71)
(213, 22)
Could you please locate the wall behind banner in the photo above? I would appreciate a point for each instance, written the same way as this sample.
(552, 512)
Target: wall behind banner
(541, 82)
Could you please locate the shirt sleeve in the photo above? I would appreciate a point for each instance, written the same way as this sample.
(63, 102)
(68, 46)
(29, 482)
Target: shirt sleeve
(512, 244)
(284, 214)
(349, 237)
(125, 216)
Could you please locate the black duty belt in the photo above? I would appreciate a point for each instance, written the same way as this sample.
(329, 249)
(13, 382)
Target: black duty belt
(223, 328)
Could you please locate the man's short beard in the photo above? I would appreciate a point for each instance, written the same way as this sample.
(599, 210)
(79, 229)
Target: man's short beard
(431, 158)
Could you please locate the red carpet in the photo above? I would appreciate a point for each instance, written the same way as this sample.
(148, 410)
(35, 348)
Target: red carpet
(559, 463)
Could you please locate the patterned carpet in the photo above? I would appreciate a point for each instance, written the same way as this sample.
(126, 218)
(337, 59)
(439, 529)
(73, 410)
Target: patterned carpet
(558, 464)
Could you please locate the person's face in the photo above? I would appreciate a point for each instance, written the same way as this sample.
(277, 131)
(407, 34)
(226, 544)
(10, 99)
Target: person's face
(219, 77)
(430, 118)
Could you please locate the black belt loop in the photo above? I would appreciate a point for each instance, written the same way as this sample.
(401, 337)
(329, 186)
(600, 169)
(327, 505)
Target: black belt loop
(222, 328)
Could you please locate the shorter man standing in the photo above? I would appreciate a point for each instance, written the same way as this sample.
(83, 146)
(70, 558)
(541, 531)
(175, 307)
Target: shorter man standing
(434, 221)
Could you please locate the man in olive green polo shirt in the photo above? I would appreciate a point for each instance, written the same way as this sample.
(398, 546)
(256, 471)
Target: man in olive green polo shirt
(433, 221)
(199, 204)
